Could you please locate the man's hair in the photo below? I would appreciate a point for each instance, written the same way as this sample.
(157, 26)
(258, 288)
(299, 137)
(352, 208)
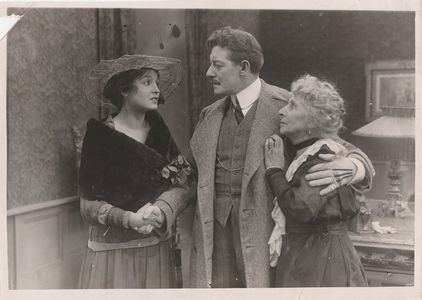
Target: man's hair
(242, 45)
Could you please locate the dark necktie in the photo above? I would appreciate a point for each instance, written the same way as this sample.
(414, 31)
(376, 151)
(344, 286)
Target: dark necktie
(238, 114)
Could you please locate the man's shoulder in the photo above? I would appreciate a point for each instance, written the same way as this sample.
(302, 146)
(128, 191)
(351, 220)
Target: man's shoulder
(276, 93)
(213, 106)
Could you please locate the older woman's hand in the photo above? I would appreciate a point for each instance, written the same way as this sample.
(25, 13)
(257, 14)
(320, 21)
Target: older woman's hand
(274, 152)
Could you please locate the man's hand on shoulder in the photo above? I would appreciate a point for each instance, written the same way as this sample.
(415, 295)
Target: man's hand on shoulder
(335, 172)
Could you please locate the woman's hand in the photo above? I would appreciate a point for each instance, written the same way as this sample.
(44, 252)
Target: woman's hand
(154, 214)
(137, 220)
(146, 219)
(274, 152)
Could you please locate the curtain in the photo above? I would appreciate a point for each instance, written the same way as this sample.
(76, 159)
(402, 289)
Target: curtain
(199, 91)
(116, 34)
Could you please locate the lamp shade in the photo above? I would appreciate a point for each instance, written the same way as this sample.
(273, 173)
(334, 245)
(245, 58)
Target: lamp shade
(388, 127)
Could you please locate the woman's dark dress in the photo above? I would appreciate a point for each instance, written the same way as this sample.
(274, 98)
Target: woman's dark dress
(316, 250)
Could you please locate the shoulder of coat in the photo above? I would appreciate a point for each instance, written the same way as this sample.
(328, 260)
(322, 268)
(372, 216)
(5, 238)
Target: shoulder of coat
(213, 106)
(277, 93)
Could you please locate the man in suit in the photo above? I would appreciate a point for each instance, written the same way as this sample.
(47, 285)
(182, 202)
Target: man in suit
(232, 222)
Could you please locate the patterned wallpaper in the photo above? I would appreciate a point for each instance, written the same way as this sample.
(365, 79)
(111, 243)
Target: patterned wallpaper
(49, 53)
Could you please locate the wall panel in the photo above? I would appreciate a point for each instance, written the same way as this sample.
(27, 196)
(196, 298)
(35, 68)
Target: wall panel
(46, 245)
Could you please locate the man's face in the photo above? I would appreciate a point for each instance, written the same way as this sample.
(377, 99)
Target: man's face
(224, 73)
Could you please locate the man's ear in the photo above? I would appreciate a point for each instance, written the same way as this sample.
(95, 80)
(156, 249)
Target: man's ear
(245, 67)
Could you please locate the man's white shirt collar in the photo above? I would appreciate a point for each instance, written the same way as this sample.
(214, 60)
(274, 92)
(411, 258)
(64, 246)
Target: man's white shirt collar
(248, 95)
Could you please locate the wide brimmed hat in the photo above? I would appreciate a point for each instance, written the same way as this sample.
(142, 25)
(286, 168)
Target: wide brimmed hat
(169, 70)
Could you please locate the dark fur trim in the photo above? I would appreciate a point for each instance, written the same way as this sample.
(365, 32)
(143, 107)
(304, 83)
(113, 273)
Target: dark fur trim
(121, 171)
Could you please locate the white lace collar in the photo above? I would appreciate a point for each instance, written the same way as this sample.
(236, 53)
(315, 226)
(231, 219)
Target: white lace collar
(337, 148)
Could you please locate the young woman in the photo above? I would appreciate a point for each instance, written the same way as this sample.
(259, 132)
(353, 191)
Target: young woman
(316, 250)
(133, 180)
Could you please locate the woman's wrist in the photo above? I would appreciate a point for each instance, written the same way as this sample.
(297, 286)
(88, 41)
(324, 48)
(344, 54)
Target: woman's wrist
(130, 216)
(126, 219)
(273, 167)
(273, 170)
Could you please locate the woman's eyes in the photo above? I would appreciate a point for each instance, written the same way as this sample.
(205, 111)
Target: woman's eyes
(148, 82)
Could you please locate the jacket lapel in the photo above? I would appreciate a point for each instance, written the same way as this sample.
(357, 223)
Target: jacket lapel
(204, 142)
(265, 124)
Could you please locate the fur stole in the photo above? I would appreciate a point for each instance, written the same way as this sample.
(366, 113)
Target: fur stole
(122, 171)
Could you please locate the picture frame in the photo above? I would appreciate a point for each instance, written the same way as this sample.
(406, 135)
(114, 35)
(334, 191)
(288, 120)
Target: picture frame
(390, 85)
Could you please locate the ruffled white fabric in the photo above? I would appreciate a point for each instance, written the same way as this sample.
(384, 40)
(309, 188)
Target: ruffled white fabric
(276, 238)
(337, 148)
(279, 230)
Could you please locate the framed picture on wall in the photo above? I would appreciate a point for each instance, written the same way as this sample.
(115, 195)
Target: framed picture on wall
(389, 85)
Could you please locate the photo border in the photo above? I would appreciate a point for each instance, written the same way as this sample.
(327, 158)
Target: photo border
(299, 293)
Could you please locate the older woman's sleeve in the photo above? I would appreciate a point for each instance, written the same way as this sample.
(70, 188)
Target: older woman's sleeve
(101, 212)
(301, 202)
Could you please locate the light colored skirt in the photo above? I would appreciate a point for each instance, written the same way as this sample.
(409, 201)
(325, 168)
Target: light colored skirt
(147, 267)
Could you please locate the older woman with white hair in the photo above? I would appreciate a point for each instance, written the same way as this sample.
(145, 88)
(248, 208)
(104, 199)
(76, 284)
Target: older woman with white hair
(316, 249)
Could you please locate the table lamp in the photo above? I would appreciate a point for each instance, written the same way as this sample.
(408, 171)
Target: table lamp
(397, 123)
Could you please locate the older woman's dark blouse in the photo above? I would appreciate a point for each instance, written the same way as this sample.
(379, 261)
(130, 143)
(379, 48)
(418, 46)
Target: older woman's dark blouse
(316, 249)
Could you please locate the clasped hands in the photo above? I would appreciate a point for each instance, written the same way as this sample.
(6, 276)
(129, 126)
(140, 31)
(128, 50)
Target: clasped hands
(146, 219)
(332, 174)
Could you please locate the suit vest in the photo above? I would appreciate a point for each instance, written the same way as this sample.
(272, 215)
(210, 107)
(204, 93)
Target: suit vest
(231, 152)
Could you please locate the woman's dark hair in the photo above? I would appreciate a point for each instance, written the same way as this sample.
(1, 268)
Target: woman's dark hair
(123, 83)
(242, 44)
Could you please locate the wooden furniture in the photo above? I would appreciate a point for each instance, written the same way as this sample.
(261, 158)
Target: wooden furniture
(388, 259)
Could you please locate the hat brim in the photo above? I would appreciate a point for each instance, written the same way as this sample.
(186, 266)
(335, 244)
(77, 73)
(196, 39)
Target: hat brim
(169, 70)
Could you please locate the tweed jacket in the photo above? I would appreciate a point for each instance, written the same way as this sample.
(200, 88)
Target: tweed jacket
(256, 204)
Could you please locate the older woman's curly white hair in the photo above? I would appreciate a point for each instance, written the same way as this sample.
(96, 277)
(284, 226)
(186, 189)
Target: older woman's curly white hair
(323, 102)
